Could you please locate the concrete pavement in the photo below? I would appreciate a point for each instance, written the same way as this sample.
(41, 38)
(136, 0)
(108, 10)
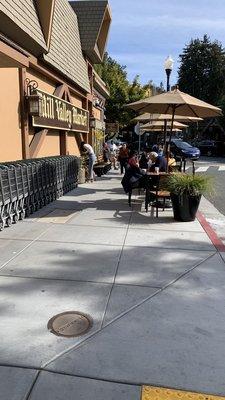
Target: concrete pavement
(154, 288)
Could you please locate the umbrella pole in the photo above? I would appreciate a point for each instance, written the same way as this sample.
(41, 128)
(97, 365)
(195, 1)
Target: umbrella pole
(171, 131)
(165, 132)
(139, 144)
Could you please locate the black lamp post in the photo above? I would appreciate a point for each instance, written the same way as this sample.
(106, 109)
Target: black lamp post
(168, 65)
(168, 68)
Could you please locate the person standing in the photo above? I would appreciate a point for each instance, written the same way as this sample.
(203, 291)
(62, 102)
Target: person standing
(106, 153)
(113, 152)
(123, 156)
(87, 148)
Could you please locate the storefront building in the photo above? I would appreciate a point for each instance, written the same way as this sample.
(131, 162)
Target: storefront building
(51, 98)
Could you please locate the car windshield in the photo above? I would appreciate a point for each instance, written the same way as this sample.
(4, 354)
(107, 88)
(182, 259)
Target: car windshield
(182, 145)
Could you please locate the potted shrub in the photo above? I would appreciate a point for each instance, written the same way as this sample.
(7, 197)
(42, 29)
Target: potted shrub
(186, 191)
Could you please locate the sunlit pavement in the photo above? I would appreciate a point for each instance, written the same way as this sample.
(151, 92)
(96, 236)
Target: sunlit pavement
(214, 208)
(154, 288)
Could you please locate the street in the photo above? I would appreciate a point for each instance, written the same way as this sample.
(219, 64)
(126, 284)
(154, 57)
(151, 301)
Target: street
(215, 167)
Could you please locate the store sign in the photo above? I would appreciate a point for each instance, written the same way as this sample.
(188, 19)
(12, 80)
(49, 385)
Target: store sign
(56, 113)
(112, 127)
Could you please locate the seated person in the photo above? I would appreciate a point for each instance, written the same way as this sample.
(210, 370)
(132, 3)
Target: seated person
(157, 161)
(155, 148)
(134, 177)
(133, 160)
(160, 150)
(171, 161)
(143, 162)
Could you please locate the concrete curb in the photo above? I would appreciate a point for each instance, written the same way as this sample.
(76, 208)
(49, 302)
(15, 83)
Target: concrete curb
(213, 222)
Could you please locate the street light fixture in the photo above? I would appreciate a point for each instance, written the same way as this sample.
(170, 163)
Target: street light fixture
(168, 65)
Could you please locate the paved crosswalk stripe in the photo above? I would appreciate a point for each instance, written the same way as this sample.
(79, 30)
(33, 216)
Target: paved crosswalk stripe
(202, 169)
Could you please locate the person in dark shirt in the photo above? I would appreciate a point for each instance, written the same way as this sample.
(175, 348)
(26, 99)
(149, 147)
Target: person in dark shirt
(123, 157)
(134, 176)
(157, 161)
(143, 162)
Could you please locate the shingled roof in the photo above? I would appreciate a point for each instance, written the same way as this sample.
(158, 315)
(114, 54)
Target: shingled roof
(20, 22)
(65, 52)
(94, 18)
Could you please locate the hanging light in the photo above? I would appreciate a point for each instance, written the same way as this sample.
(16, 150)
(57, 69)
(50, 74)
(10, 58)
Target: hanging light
(34, 105)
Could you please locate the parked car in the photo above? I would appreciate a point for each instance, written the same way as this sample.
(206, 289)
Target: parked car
(184, 150)
(209, 147)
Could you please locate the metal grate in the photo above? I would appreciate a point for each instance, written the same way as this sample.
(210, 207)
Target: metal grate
(70, 324)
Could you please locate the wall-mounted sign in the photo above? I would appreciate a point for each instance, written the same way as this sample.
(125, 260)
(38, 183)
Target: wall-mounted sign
(56, 113)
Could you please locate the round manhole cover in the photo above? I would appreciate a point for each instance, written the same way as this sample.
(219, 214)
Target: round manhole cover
(70, 324)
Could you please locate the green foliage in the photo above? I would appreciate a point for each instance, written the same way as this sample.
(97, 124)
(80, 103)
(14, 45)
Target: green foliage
(192, 185)
(202, 70)
(121, 90)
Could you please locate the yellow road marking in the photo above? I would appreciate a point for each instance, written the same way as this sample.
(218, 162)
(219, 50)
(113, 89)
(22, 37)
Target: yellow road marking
(156, 393)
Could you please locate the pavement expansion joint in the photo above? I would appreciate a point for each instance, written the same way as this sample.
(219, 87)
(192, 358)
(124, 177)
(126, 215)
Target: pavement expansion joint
(121, 315)
(157, 393)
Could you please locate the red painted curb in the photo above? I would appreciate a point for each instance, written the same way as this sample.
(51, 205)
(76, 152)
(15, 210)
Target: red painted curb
(211, 233)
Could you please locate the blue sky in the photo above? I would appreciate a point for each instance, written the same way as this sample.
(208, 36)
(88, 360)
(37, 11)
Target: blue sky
(145, 32)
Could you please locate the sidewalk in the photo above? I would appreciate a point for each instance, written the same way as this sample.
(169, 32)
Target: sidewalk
(154, 288)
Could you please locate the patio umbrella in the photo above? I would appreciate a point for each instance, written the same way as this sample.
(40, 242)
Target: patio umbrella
(162, 117)
(161, 130)
(165, 118)
(176, 103)
(160, 124)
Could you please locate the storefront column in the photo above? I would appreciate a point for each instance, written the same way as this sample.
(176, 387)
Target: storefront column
(63, 143)
(37, 142)
(23, 115)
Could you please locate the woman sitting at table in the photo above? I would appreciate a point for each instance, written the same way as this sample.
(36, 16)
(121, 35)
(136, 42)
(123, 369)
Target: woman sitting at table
(157, 161)
(171, 162)
(134, 177)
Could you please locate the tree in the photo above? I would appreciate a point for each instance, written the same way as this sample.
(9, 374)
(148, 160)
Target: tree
(202, 70)
(121, 90)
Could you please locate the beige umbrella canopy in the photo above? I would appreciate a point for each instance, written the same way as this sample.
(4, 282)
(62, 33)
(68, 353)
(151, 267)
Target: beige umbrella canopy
(160, 124)
(162, 117)
(176, 103)
(161, 130)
